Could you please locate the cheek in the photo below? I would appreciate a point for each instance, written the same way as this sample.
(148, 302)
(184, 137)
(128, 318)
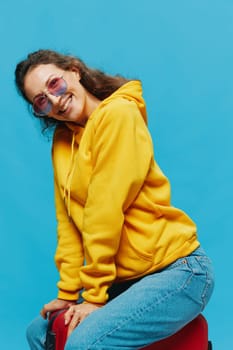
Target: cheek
(79, 100)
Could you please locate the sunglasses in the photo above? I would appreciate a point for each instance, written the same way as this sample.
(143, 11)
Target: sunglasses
(41, 104)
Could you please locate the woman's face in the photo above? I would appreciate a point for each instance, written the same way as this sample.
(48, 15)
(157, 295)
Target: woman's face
(74, 105)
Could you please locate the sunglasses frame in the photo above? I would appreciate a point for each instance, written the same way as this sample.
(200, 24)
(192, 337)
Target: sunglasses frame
(48, 102)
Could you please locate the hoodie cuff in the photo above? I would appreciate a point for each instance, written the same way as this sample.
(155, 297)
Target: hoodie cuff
(62, 294)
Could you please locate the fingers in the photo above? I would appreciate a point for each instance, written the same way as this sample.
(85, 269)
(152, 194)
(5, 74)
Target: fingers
(73, 319)
(55, 305)
(69, 314)
(77, 313)
(44, 311)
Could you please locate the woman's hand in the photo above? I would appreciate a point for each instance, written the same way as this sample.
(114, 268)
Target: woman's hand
(77, 313)
(54, 305)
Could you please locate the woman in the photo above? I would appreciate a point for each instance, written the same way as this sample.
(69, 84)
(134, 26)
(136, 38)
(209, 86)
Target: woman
(131, 268)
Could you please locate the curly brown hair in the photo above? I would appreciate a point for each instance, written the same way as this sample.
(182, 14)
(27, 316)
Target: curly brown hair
(95, 81)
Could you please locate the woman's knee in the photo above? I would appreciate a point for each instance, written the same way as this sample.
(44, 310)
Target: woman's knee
(36, 331)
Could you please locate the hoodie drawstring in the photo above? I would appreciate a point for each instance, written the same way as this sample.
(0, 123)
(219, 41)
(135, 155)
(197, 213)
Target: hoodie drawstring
(66, 190)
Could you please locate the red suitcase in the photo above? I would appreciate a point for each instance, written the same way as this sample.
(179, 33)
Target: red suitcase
(56, 331)
(194, 336)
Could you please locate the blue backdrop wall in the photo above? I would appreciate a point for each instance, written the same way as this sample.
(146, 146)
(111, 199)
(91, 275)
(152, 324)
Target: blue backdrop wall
(182, 51)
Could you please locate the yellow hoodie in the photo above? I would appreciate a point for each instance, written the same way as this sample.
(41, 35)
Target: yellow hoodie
(115, 219)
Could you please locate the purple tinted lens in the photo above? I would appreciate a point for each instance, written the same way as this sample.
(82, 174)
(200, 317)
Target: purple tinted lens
(41, 105)
(57, 86)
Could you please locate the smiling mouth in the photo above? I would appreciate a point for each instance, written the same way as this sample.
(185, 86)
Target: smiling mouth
(65, 106)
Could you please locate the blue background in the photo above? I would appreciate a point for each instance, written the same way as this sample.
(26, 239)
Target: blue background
(183, 53)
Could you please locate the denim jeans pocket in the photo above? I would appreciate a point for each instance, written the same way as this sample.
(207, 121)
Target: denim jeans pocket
(206, 265)
(198, 276)
(202, 269)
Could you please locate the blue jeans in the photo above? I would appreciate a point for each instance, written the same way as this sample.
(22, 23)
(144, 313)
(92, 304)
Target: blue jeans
(155, 307)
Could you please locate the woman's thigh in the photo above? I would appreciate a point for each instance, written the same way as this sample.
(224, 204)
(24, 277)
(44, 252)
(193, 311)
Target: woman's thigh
(153, 308)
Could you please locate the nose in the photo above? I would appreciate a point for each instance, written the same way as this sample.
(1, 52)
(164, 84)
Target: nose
(54, 100)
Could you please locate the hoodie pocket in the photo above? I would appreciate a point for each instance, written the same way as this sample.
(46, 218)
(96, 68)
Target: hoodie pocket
(133, 258)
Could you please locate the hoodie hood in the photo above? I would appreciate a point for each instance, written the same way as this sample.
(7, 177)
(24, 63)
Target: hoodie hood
(131, 91)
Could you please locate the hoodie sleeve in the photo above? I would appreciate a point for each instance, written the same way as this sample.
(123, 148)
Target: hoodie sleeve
(122, 153)
(69, 255)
